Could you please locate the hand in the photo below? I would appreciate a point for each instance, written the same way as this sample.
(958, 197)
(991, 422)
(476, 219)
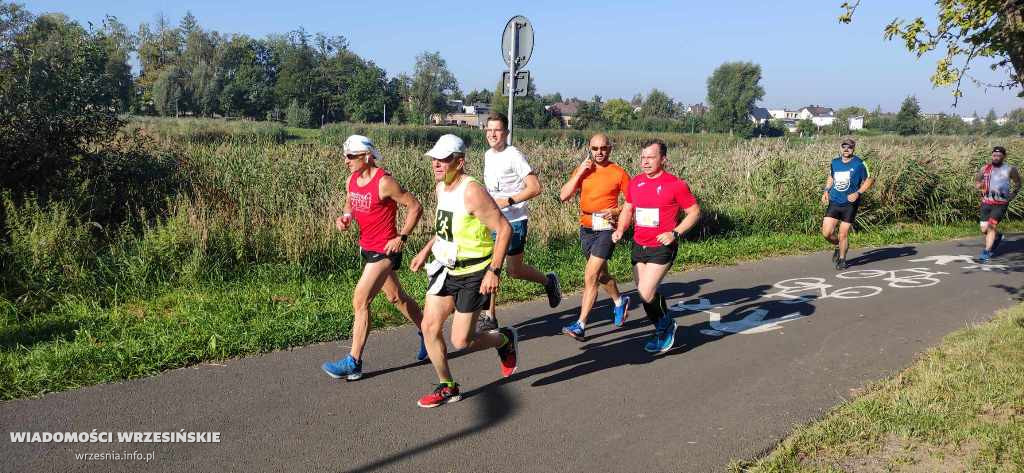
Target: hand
(824, 198)
(418, 262)
(490, 283)
(502, 202)
(394, 245)
(586, 165)
(666, 238)
(853, 197)
(616, 236)
(343, 222)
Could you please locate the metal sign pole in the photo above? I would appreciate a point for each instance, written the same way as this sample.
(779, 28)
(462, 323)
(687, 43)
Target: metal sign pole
(512, 66)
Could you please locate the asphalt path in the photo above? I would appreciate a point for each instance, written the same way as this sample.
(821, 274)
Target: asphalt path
(761, 346)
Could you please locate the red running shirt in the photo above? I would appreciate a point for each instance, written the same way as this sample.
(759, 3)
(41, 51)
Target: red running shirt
(376, 217)
(657, 204)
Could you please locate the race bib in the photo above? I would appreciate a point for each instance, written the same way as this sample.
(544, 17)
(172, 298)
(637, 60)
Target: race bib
(445, 252)
(648, 218)
(598, 222)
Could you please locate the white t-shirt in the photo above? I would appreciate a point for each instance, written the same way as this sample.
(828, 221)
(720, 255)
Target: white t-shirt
(505, 175)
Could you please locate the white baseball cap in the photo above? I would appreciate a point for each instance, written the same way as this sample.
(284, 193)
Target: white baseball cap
(358, 144)
(445, 146)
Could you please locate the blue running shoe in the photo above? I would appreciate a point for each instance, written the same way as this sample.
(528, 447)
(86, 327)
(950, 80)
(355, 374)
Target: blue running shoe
(985, 255)
(574, 330)
(995, 244)
(347, 367)
(664, 336)
(422, 355)
(621, 312)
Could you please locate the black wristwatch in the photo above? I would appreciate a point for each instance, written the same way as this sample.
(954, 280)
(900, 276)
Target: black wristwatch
(403, 236)
(496, 271)
(676, 234)
(511, 201)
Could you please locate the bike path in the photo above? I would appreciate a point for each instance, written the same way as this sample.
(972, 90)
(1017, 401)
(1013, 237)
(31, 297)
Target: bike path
(761, 346)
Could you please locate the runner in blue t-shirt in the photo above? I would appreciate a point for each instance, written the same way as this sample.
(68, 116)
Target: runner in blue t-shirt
(848, 178)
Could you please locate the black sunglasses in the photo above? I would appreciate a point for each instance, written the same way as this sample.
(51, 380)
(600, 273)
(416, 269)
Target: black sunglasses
(846, 146)
(600, 148)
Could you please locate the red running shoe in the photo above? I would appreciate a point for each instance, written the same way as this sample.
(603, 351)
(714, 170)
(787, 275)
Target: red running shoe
(442, 394)
(509, 352)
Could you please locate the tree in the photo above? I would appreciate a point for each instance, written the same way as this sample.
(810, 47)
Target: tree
(657, 104)
(167, 92)
(56, 99)
(588, 115)
(806, 127)
(1015, 121)
(966, 30)
(908, 120)
(617, 113)
(732, 91)
(432, 83)
(479, 96)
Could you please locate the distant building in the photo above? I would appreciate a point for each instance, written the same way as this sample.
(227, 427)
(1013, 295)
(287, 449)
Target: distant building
(565, 111)
(698, 109)
(783, 114)
(759, 115)
(460, 114)
(820, 116)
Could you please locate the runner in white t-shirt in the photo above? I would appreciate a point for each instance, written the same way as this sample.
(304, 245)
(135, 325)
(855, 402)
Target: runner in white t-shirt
(511, 182)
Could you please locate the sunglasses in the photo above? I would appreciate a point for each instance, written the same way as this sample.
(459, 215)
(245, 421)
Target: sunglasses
(355, 156)
(600, 148)
(448, 160)
(845, 146)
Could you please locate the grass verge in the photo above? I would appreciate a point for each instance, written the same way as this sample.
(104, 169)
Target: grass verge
(81, 342)
(959, 407)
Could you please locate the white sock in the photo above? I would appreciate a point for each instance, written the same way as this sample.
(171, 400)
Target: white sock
(618, 302)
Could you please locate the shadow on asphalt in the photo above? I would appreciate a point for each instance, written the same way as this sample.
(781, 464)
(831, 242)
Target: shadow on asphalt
(601, 314)
(882, 254)
(494, 406)
(627, 349)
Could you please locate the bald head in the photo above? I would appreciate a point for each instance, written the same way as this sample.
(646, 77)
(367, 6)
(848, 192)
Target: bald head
(600, 148)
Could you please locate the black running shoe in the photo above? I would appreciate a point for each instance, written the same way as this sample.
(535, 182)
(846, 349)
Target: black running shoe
(841, 264)
(554, 290)
(835, 256)
(486, 322)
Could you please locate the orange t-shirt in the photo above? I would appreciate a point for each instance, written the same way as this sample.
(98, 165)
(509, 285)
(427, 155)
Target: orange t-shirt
(600, 190)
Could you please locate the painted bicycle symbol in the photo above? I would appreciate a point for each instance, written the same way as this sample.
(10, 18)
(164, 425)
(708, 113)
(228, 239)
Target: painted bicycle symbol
(899, 278)
(799, 290)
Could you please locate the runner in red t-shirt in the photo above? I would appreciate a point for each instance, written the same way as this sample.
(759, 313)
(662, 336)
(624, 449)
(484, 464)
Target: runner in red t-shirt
(654, 201)
(372, 200)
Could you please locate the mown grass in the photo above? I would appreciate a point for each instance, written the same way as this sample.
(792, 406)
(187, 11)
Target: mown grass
(240, 240)
(958, 408)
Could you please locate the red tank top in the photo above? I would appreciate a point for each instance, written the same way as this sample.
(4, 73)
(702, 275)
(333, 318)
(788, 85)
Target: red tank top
(376, 217)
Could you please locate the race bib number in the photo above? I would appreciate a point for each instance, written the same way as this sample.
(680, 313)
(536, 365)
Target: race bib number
(842, 180)
(648, 218)
(598, 222)
(445, 252)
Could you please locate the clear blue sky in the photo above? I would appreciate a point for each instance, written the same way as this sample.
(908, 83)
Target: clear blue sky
(583, 49)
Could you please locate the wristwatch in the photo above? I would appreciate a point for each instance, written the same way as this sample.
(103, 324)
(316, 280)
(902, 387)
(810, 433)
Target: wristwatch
(403, 236)
(511, 201)
(496, 271)
(675, 234)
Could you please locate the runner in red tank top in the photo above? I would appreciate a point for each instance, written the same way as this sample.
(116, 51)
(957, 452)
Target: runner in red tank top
(373, 198)
(654, 201)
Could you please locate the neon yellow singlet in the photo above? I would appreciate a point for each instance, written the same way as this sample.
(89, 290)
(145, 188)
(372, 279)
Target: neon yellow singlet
(463, 242)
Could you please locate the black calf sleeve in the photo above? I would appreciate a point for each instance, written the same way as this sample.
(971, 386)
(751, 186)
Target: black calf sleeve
(656, 308)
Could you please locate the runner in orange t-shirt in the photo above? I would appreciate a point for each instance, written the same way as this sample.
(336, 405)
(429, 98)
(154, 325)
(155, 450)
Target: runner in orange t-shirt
(599, 182)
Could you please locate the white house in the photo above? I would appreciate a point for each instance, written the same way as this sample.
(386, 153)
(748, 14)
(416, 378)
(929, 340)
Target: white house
(857, 123)
(820, 116)
(783, 114)
(759, 115)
